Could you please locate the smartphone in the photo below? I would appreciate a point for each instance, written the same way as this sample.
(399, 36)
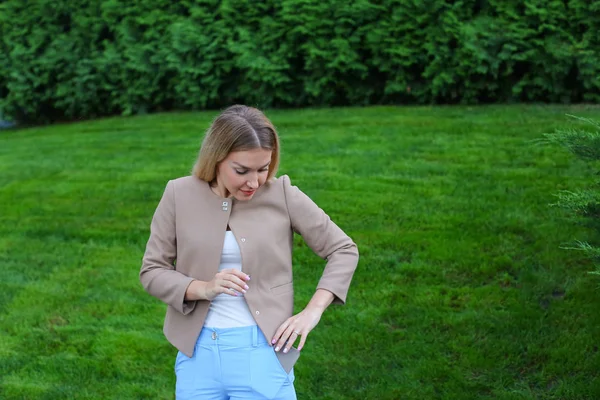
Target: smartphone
(288, 359)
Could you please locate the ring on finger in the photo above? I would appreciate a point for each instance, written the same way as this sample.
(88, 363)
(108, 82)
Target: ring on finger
(297, 333)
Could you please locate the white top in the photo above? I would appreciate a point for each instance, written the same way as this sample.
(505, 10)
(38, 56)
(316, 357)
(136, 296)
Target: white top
(227, 311)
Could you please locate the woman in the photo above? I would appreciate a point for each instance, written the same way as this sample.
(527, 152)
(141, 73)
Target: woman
(220, 256)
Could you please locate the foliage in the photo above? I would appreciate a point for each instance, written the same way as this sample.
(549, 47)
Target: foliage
(584, 204)
(73, 59)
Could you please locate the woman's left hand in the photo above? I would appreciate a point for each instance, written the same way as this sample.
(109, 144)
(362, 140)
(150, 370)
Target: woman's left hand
(299, 325)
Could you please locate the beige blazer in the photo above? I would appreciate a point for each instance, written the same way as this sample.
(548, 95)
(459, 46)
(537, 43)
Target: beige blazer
(186, 241)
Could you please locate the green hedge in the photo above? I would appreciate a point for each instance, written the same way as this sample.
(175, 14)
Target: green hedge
(69, 59)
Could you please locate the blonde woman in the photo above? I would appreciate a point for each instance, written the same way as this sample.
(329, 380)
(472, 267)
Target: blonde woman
(220, 256)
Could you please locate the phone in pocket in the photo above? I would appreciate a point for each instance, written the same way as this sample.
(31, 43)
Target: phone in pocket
(288, 359)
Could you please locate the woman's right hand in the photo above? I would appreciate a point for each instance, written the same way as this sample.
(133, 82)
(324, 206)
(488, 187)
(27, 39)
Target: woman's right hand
(229, 281)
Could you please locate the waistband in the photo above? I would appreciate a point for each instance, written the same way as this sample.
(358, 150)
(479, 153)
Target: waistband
(243, 336)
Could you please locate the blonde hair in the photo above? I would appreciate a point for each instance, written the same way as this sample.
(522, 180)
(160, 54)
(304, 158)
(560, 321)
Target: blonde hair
(238, 128)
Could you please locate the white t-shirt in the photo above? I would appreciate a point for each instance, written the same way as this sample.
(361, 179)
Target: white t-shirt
(227, 311)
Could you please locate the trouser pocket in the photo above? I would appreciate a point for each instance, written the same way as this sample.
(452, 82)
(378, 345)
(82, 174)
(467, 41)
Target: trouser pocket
(268, 378)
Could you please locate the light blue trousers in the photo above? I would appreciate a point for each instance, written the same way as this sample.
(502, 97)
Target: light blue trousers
(232, 364)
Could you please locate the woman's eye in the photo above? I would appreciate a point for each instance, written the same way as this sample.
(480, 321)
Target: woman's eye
(240, 172)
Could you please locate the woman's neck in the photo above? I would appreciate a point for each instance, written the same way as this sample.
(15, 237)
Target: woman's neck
(219, 190)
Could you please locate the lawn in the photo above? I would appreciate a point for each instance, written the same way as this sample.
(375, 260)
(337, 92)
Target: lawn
(462, 292)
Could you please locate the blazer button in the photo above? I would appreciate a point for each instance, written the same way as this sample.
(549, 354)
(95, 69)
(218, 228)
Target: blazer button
(243, 239)
(257, 312)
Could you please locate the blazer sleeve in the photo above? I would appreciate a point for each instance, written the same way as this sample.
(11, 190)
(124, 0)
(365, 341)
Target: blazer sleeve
(158, 274)
(325, 238)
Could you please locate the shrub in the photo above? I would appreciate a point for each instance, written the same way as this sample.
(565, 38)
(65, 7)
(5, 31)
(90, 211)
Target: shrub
(71, 59)
(583, 206)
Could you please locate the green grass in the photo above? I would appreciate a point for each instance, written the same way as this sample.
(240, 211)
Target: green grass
(462, 291)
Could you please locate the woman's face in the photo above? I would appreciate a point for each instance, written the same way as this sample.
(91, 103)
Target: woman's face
(242, 173)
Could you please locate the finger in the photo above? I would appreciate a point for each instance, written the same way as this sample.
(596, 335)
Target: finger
(279, 332)
(231, 285)
(228, 291)
(237, 273)
(236, 283)
(302, 341)
(285, 337)
(230, 288)
(293, 337)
